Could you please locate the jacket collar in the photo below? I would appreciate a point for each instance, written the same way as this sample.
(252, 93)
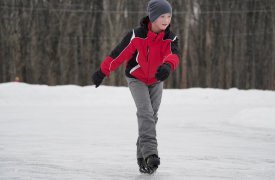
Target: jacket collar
(154, 37)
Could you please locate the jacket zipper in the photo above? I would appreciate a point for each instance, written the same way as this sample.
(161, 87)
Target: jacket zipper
(148, 66)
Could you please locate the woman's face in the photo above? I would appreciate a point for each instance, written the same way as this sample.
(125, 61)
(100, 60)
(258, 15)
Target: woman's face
(163, 21)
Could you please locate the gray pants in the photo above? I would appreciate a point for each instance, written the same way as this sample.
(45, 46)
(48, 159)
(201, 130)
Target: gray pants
(147, 100)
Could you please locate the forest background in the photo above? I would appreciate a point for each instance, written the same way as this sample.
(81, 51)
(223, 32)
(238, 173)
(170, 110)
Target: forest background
(223, 43)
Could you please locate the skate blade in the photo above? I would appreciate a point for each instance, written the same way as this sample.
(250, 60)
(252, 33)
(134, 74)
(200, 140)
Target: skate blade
(148, 170)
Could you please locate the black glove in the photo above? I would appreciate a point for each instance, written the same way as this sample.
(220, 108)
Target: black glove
(98, 77)
(163, 72)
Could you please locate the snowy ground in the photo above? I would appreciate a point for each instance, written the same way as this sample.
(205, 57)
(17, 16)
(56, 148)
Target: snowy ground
(71, 132)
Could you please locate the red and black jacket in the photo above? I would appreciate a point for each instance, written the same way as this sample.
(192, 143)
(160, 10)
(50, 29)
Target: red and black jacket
(144, 51)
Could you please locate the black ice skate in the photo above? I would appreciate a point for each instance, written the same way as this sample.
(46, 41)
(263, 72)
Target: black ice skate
(152, 162)
(142, 165)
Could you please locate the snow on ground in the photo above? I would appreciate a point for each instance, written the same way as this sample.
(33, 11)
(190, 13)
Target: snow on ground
(71, 132)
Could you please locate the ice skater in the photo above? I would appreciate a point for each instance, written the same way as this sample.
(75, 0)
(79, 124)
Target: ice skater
(151, 54)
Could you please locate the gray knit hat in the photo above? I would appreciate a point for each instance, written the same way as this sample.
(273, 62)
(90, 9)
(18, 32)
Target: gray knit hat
(158, 7)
